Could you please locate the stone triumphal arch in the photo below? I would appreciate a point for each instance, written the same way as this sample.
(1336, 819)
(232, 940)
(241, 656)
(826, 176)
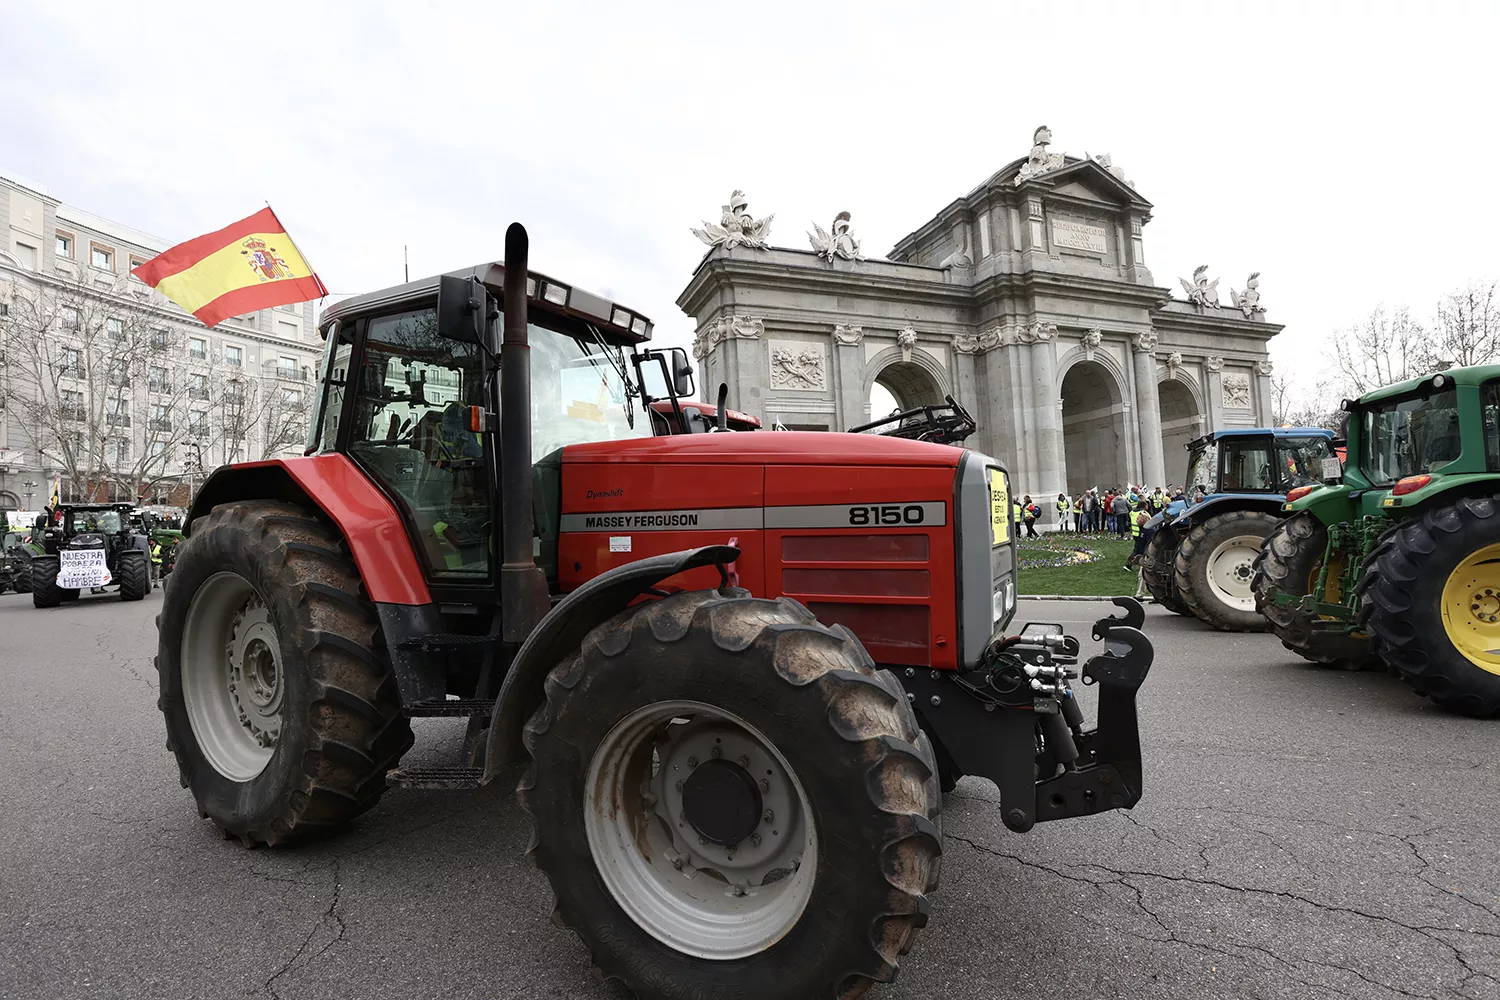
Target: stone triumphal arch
(1027, 299)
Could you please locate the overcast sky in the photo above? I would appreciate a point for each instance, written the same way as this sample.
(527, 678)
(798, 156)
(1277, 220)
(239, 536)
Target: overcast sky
(1345, 151)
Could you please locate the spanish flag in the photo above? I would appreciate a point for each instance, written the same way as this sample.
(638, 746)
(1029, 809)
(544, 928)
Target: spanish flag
(250, 265)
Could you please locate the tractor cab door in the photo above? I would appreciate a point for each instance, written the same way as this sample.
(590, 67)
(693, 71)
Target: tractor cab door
(1246, 464)
(409, 430)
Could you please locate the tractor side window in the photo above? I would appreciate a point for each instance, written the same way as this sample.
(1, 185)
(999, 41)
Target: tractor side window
(1489, 396)
(1247, 465)
(411, 431)
(335, 385)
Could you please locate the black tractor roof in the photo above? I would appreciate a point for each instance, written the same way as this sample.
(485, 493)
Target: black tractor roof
(69, 508)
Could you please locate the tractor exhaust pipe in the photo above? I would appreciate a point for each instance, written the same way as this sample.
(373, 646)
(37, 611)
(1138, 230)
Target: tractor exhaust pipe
(523, 585)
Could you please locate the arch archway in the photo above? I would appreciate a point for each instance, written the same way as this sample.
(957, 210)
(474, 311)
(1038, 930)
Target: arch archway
(9, 501)
(919, 381)
(1093, 416)
(1181, 421)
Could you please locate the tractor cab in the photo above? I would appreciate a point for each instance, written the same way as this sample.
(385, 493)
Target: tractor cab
(1259, 461)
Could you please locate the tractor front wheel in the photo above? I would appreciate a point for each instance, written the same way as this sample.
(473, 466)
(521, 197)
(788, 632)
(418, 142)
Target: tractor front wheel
(279, 701)
(1430, 596)
(1290, 562)
(1158, 572)
(135, 576)
(1214, 568)
(729, 800)
(45, 593)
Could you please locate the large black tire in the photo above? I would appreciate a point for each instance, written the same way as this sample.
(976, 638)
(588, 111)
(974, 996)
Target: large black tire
(1191, 569)
(845, 730)
(341, 722)
(1289, 562)
(1158, 571)
(45, 593)
(135, 576)
(1401, 603)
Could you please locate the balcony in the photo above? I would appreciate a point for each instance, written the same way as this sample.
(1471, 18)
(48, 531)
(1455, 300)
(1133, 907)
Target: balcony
(117, 419)
(161, 423)
(159, 385)
(197, 392)
(198, 353)
(286, 373)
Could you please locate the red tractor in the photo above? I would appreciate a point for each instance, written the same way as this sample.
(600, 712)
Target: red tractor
(739, 666)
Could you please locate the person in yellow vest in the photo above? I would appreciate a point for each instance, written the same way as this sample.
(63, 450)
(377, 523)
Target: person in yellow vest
(1015, 509)
(1138, 531)
(1064, 511)
(155, 560)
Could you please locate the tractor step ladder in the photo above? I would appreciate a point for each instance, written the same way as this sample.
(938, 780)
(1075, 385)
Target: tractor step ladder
(447, 778)
(449, 708)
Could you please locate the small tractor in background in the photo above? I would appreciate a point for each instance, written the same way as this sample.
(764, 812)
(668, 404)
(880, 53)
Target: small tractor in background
(1199, 561)
(89, 547)
(16, 550)
(1400, 563)
(739, 668)
(163, 530)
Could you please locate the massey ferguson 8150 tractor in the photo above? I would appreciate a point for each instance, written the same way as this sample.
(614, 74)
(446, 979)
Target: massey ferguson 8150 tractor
(1400, 563)
(739, 666)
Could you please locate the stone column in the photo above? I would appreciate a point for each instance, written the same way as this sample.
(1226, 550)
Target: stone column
(966, 386)
(1214, 366)
(1264, 404)
(849, 376)
(1046, 413)
(1148, 408)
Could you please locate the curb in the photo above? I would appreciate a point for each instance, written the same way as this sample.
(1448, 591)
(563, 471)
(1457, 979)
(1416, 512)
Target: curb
(1074, 597)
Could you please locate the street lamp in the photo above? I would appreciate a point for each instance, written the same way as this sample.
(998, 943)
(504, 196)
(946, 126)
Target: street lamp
(30, 486)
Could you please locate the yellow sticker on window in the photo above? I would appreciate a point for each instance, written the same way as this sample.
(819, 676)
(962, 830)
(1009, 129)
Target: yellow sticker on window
(999, 507)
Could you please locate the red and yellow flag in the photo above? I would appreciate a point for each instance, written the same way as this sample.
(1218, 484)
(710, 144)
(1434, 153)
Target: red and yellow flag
(252, 264)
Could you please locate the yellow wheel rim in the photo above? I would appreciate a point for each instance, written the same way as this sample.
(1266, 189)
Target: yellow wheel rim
(1333, 591)
(1471, 608)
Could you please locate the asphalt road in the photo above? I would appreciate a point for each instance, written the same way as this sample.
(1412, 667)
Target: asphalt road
(1304, 834)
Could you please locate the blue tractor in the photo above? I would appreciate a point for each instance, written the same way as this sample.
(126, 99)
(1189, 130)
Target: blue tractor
(1201, 558)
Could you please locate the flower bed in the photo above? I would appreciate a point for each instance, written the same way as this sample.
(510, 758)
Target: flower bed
(1051, 552)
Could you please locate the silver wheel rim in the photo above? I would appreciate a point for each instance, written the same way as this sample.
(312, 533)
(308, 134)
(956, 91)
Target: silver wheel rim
(1231, 568)
(697, 896)
(233, 684)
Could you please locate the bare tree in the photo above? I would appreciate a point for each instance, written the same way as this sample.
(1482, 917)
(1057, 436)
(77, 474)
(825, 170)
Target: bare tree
(1466, 330)
(1291, 406)
(1388, 346)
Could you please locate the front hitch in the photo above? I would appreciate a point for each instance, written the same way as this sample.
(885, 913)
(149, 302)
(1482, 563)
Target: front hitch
(1015, 720)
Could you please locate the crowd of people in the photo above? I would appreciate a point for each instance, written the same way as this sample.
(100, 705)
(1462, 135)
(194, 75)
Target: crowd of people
(1112, 510)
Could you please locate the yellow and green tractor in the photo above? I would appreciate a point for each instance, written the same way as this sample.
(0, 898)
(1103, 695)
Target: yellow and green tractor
(1399, 564)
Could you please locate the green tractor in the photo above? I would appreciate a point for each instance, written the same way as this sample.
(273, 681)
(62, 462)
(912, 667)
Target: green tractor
(16, 551)
(1400, 563)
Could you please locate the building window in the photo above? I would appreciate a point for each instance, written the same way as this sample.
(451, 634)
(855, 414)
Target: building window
(233, 355)
(114, 329)
(64, 247)
(156, 379)
(197, 386)
(291, 397)
(117, 412)
(287, 329)
(72, 404)
(72, 362)
(136, 262)
(26, 255)
(197, 348)
(68, 316)
(161, 420)
(198, 423)
(117, 450)
(119, 374)
(102, 257)
(160, 339)
(984, 235)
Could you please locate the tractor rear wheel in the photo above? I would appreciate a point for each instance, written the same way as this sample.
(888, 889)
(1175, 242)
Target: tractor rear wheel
(729, 800)
(279, 702)
(1430, 596)
(1158, 571)
(135, 576)
(45, 593)
(1290, 561)
(1213, 569)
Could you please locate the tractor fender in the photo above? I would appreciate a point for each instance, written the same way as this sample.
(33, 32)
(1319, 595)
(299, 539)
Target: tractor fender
(563, 630)
(1213, 506)
(365, 516)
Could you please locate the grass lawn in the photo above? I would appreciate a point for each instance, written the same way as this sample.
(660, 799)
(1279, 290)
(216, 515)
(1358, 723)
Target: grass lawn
(1103, 577)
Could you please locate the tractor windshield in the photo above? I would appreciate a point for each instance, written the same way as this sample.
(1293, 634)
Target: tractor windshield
(1203, 469)
(104, 521)
(1409, 437)
(1307, 461)
(577, 394)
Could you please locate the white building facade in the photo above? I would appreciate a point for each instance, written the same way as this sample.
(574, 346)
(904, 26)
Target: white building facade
(112, 387)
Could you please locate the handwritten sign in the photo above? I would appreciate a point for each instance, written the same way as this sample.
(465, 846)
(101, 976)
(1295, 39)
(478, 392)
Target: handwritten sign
(82, 568)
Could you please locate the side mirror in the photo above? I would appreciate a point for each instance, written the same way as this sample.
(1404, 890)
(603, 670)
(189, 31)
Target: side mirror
(462, 310)
(682, 374)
